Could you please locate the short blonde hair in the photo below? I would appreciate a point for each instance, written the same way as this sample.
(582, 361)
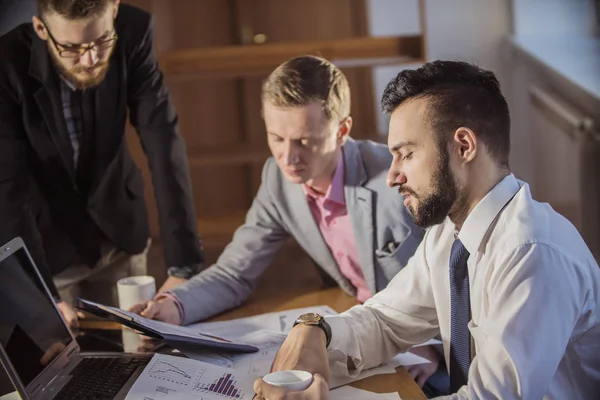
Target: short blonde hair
(306, 79)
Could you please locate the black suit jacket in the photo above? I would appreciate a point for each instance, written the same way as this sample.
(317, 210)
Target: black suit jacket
(55, 208)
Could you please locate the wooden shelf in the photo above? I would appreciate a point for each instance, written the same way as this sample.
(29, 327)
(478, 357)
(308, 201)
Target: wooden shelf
(227, 157)
(221, 225)
(217, 231)
(226, 61)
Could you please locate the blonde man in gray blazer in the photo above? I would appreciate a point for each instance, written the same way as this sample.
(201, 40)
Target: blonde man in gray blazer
(321, 187)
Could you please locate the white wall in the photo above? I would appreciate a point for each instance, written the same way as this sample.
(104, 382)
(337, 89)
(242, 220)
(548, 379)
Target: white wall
(467, 30)
(553, 17)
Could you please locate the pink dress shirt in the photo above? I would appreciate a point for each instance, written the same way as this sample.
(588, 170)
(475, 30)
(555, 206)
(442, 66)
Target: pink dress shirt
(331, 216)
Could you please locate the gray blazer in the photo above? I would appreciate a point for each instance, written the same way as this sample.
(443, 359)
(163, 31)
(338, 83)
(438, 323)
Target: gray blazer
(383, 230)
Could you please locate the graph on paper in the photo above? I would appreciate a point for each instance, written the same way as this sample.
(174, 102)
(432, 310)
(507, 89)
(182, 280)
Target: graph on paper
(225, 386)
(169, 377)
(169, 371)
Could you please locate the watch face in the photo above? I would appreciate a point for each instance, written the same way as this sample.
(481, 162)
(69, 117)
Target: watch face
(310, 318)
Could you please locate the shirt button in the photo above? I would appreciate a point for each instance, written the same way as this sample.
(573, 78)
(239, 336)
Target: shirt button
(340, 254)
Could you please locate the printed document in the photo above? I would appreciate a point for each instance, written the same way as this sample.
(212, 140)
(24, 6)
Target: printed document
(172, 377)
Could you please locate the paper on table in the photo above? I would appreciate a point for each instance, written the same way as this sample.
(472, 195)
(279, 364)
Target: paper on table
(279, 321)
(267, 332)
(256, 364)
(178, 378)
(407, 359)
(430, 341)
(348, 392)
(337, 381)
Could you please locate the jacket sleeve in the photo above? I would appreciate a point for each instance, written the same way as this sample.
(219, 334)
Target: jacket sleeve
(154, 117)
(230, 281)
(16, 214)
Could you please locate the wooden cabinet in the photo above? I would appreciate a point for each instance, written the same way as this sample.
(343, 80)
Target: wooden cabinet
(215, 54)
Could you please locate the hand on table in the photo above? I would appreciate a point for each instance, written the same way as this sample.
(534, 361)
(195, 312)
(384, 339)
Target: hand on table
(69, 314)
(318, 390)
(304, 349)
(163, 309)
(422, 372)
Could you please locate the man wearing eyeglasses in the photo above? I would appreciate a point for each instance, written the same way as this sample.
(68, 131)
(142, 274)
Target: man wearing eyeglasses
(68, 184)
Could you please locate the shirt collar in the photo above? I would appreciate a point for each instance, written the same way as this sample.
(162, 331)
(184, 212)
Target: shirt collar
(485, 212)
(335, 192)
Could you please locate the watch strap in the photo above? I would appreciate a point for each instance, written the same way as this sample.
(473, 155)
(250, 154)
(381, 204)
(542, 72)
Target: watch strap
(325, 327)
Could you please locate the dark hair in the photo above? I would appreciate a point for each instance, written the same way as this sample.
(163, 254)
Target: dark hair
(458, 94)
(72, 9)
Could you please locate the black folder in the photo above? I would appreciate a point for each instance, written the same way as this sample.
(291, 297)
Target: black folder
(172, 334)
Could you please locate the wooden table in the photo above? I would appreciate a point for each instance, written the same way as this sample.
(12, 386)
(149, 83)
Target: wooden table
(335, 298)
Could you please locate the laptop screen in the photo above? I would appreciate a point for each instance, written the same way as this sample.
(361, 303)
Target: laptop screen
(31, 329)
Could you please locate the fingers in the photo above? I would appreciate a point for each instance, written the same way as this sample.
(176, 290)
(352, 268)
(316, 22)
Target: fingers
(72, 320)
(413, 371)
(150, 310)
(138, 308)
(318, 389)
(68, 314)
(421, 379)
(416, 373)
(265, 391)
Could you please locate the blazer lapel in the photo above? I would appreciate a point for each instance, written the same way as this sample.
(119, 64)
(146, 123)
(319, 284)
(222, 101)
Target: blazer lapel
(359, 203)
(311, 234)
(49, 103)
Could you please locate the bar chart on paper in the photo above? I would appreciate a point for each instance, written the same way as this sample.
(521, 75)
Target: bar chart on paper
(225, 386)
(170, 377)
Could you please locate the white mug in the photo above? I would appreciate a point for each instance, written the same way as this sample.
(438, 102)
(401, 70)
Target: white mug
(131, 340)
(135, 289)
(290, 379)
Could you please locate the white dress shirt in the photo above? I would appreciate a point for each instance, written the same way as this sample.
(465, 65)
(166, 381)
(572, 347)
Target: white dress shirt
(534, 290)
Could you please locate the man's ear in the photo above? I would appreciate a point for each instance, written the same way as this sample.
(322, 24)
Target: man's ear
(466, 144)
(39, 28)
(344, 129)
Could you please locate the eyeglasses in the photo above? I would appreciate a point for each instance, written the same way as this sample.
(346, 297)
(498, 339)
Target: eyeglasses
(74, 51)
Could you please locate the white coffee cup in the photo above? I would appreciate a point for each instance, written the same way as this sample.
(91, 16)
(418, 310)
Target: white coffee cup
(135, 289)
(131, 340)
(289, 379)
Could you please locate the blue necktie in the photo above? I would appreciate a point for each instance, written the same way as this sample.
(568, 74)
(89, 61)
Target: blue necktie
(460, 313)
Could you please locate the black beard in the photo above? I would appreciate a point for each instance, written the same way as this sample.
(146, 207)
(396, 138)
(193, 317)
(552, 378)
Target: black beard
(434, 208)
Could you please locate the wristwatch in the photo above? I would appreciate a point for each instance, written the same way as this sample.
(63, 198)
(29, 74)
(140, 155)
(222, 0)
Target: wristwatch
(314, 319)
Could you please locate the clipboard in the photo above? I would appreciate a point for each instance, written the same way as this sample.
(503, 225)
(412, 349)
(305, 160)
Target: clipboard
(173, 334)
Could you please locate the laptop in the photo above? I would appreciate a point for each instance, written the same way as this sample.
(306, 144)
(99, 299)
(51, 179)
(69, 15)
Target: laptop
(39, 352)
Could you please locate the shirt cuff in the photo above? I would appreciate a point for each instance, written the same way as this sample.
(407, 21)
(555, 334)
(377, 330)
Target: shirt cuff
(342, 347)
(172, 296)
(340, 334)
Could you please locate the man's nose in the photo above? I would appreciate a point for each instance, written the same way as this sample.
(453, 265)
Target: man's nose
(290, 156)
(89, 59)
(395, 178)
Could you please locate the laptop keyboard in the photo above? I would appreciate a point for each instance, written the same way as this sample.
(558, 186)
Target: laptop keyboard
(99, 378)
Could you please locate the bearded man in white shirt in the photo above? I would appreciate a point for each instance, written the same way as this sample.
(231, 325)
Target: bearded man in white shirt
(507, 282)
